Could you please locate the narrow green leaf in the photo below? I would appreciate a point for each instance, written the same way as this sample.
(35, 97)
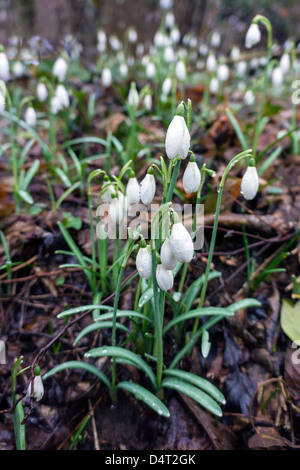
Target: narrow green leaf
(200, 382)
(114, 351)
(146, 296)
(97, 326)
(199, 312)
(145, 396)
(30, 174)
(193, 290)
(78, 365)
(193, 392)
(237, 128)
(26, 196)
(205, 344)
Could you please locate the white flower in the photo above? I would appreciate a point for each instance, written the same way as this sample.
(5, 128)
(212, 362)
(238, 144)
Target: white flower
(175, 35)
(211, 63)
(4, 67)
(178, 138)
(106, 77)
(30, 116)
(241, 68)
(180, 70)
(133, 97)
(55, 105)
(164, 278)
(277, 77)
(148, 102)
(215, 40)
(38, 388)
(147, 189)
(132, 35)
(133, 191)
(214, 85)
(167, 256)
(170, 19)
(123, 69)
(181, 243)
(253, 36)
(223, 72)
(191, 178)
(60, 69)
(250, 183)
(144, 263)
(117, 207)
(41, 92)
(235, 53)
(18, 69)
(249, 98)
(108, 191)
(166, 4)
(150, 70)
(63, 96)
(169, 54)
(167, 86)
(285, 63)
(2, 97)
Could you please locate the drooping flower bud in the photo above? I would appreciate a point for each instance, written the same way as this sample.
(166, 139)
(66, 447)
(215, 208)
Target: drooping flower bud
(60, 69)
(106, 77)
(180, 71)
(117, 207)
(181, 242)
(211, 63)
(4, 66)
(285, 63)
(253, 36)
(30, 116)
(223, 72)
(249, 98)
(55, 105)
(62, 96)
(38, 386)
(148, 188)
(144, 261)
(41, 92)
(133, 190)
(167, 256)
(178, 138)
(214, 85)
(133, 97)
(191, 177)
(250, 182)
(277, 77)
(164, 278)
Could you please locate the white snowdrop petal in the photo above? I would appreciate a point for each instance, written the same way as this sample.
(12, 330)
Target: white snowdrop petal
(144, 263)
(167, 256)
(41, 92)
(181, 243)
(253, 36)
(147, 189)
(133, 191)
(191, 178)
(250, 183)
(30, 117)
(38, 388)
(164, 278)
(178, 139)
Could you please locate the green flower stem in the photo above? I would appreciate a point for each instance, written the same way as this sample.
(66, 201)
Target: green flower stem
(235, 160)
(173, 180)
(267, 24)
(158, 345)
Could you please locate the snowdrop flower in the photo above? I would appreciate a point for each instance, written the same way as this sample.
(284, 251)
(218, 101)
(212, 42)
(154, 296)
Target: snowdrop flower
(38, 386)
(133, 97)
(166, 4)
(148, 102)
(167, 256)
(4, 66)
(117, 207)
(277, 77)
(108, 191)
(148, 188)
(235, 53)
(169, 55)
(2, 96)
(123, 69)
(181, 242)
(143, 261)
(167, 86)
(115, 43)
(18, 69)
(41, 92)
(215, 40)
(223, 72)
(164, 278)
(30, 116)
(106, 77)
(249, 98)
(150, 70)
(241, 68)
(170, 19)
(211, 63)
(133, 190)
(63, 96)
(250, 183)
(214, 86)
(175, 35)
(132, 35)
(178, 138)
(60, 69)
(180, 71)
(55, 105)
(285, 63)
(253, 36)
(191, 177)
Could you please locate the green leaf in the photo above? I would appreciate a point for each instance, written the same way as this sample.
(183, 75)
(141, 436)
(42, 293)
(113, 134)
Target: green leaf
(198, 382)
(193, 392)
(97, 326)
(290, 319)
(146, 296)
(117, 352)
(190, 295)
(205, 344)
(26, 196)
(238, 130)
(30, 174)
(79, 365)
(147, 397)
(199, 312)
